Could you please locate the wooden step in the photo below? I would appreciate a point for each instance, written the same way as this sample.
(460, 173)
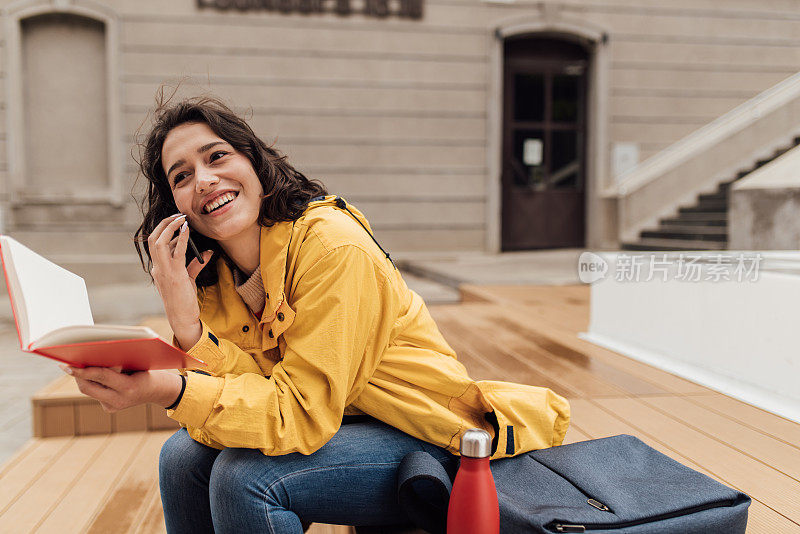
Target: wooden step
(60, 409)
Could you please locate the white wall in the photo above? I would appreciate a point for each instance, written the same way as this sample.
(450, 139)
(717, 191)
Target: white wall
(738, 337)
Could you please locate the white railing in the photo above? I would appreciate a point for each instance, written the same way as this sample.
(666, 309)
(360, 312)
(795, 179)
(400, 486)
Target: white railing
(714, 152)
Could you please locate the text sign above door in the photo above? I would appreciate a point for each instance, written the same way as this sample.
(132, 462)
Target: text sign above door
(409, 9)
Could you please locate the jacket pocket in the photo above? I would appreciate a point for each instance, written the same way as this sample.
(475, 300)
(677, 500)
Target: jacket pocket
(525, 417)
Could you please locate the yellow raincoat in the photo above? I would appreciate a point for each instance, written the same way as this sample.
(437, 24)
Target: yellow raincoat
(341, 333)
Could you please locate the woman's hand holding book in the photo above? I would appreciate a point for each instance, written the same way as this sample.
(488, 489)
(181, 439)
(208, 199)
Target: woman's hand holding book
(117, 390)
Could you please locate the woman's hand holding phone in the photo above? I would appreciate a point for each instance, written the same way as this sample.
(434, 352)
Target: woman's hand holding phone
(175, 280)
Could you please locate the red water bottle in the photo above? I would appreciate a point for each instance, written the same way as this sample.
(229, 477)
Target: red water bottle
(473, 505)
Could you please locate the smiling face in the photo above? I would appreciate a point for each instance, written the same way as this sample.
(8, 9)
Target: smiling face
(212, 183)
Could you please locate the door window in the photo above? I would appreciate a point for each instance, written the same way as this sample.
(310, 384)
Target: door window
(530, 106)
(547, 119)
(566, 97)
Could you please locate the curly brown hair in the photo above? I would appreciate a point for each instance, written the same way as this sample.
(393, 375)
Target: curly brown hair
(286, 190)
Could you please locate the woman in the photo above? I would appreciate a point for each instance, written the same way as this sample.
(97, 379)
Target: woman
(322, 368)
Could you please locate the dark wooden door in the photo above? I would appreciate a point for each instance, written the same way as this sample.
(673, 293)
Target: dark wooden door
(544, 140)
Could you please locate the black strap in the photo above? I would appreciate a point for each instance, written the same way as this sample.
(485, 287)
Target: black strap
(180, 395)
(420, 471)
(341, 204)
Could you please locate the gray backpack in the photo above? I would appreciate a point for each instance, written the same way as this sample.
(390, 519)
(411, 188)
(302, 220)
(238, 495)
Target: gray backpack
(615, 485)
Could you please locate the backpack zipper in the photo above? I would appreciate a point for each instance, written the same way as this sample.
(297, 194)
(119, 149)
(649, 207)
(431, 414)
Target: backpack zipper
(568, 527)
(563, 527)
(597, 504)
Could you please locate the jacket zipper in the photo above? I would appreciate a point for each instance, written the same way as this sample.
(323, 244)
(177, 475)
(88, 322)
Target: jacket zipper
(570, 527)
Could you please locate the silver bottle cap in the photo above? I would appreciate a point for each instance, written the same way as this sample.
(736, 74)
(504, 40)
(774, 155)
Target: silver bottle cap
(476, 443)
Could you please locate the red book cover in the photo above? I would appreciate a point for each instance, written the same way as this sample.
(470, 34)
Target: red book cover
(53, 319)
(129, 354)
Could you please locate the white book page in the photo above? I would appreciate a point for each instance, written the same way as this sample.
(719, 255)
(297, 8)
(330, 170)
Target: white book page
(17, 304)
(88, 333)
(50, 297)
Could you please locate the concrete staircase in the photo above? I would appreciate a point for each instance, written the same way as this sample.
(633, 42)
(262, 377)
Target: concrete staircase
(701, 226)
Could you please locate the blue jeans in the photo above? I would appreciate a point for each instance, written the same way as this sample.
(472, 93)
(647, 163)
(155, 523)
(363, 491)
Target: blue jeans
(349, 481)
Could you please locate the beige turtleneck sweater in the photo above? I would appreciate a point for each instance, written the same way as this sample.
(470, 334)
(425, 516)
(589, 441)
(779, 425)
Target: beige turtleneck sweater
(251, 290)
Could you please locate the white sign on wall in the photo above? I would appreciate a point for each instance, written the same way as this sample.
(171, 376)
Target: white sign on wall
(532, 151)
(625, 156)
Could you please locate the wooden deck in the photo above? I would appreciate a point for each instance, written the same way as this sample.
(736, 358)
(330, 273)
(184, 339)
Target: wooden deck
(529, 334)
(108, 482)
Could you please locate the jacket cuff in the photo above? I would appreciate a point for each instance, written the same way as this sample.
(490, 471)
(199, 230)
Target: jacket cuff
(198, 400)
(207, 350)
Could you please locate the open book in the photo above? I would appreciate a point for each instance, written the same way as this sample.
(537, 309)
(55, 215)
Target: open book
(53, 317)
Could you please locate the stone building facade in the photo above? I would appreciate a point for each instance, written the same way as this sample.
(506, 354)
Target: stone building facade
(455, 125)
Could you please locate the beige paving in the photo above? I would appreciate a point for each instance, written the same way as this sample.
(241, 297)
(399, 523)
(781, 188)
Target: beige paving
(542, 267)
(21, 375)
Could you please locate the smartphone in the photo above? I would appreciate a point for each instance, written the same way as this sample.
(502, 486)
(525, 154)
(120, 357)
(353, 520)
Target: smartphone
(192, 247)
(194, 250)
